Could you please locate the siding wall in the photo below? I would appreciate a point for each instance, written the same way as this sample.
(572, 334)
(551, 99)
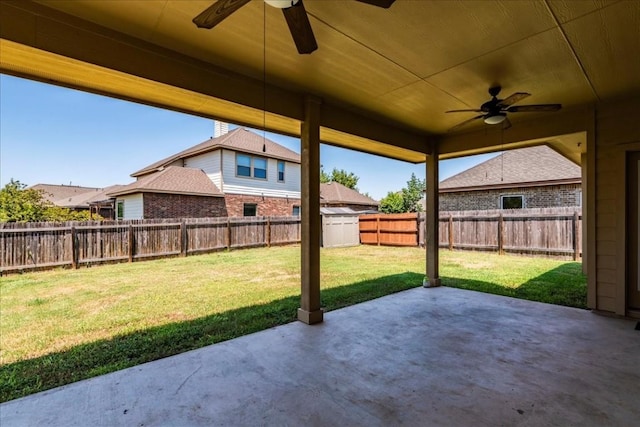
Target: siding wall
(209, 163)
(567, 195)
(132, 206)
(617, 132)
(259, 187)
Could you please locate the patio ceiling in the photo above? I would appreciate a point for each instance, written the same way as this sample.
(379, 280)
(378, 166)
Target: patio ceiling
(385, 76)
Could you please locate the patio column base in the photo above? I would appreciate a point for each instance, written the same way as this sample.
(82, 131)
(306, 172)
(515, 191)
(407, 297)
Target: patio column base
(433, 283)
(310, 317)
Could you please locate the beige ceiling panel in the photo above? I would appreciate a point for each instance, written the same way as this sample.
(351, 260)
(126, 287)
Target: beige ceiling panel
(137, 19)
(419, 105)
(608, 45)
(427, 37)
(567, 10)
(542, 65)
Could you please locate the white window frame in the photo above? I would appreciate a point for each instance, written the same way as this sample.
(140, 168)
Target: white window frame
(252, 168)
(503, 196)
(284, 169)
(118, 211)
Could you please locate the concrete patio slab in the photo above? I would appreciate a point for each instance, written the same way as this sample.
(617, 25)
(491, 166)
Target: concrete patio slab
(433, 357)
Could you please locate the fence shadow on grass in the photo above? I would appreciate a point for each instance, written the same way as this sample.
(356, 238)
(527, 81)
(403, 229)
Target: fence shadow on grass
(100, 357)
(563, 285)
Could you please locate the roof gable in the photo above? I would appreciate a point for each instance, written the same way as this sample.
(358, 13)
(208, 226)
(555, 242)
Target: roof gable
(239, 139)
(334, 192)
(172, 180)
(533, 165)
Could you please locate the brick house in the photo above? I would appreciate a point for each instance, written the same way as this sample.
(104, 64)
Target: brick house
(534, 177)
(247, 175)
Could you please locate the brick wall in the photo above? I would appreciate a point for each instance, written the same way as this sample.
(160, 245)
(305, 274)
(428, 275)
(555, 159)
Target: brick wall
(157, 205)
(266, 206)
(534, 197)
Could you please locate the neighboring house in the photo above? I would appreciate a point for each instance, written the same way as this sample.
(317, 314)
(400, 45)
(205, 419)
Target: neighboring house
(95, 201)
(54, 193)
(336, 195)
(534, 177)
(250, 175)
(169, 192)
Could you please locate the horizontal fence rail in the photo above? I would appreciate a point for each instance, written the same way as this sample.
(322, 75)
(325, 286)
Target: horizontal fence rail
(548, 231)
(28, 246)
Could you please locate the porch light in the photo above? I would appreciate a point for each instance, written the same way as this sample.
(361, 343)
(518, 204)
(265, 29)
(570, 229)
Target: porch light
(495, 119)
(281, 4)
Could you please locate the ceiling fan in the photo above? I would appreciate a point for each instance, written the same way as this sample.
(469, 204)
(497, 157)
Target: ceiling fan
(293, 10)
(495, 110)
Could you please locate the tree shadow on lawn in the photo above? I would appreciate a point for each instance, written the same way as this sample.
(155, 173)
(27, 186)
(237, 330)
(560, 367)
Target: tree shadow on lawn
(100, 357)
(563, 285)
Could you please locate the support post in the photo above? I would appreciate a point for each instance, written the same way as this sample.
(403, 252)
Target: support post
(432, 220)
(501, 234)
(74, 248)
(183, 238)
(310, 311)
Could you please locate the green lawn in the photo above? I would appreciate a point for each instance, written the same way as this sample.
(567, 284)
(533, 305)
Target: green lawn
(61, 326)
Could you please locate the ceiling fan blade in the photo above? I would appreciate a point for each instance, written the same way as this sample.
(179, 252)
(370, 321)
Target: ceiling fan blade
(300, 28)
(459, 125)
(533, 108)
(512, 99)
(380, 3)
(217, 12)
(464, 111)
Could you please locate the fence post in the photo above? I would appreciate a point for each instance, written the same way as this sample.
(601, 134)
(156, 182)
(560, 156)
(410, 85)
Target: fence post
(183, 238)
(500, 234)
(228, 236)
(130, 232)
(576, 250)
(268, 231)
(418, 228)
(450, 232)
(74, 248)
(378, 230)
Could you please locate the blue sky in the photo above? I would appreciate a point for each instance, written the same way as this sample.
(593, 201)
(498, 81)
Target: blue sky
(54, 135)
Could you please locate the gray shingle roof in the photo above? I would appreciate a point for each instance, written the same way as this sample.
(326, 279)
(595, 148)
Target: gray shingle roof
(84, 199)
(238, 140)
(334, 192)
(52, 193)
(539, 165)
(172, 180)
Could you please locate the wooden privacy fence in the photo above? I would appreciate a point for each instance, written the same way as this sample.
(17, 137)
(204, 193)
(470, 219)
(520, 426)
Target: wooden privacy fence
(549, 231)
(44, 245)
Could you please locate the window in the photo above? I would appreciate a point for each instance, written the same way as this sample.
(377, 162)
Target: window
(511, 202)
(280, 171)
(243, 165)
(296, 211)
(259, 168)
(120, 210)
(250, 209)
(251, 167)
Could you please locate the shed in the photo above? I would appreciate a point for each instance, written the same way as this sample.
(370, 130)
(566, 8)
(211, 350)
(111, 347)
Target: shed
(340, 227)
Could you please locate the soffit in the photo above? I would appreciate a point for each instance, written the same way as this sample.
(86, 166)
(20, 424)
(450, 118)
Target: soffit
(406, 65)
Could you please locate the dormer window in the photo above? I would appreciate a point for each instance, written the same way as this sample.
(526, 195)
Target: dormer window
(251, 166)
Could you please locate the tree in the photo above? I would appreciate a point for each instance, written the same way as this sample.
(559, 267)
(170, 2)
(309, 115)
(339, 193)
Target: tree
(348, 179)
(18, 203)
(21, 204)
(413, 193)
(406, 200)
(392, 203)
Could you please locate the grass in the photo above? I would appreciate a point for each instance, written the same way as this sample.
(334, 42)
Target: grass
(61, 326)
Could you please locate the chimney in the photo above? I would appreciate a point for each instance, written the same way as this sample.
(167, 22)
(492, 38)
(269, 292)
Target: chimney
(220, 128)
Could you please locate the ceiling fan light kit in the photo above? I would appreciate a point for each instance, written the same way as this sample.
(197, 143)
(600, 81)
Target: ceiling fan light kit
(495, 119)
(281, 4)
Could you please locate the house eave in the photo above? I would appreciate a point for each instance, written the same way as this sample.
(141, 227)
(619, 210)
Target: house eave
(512, 185)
